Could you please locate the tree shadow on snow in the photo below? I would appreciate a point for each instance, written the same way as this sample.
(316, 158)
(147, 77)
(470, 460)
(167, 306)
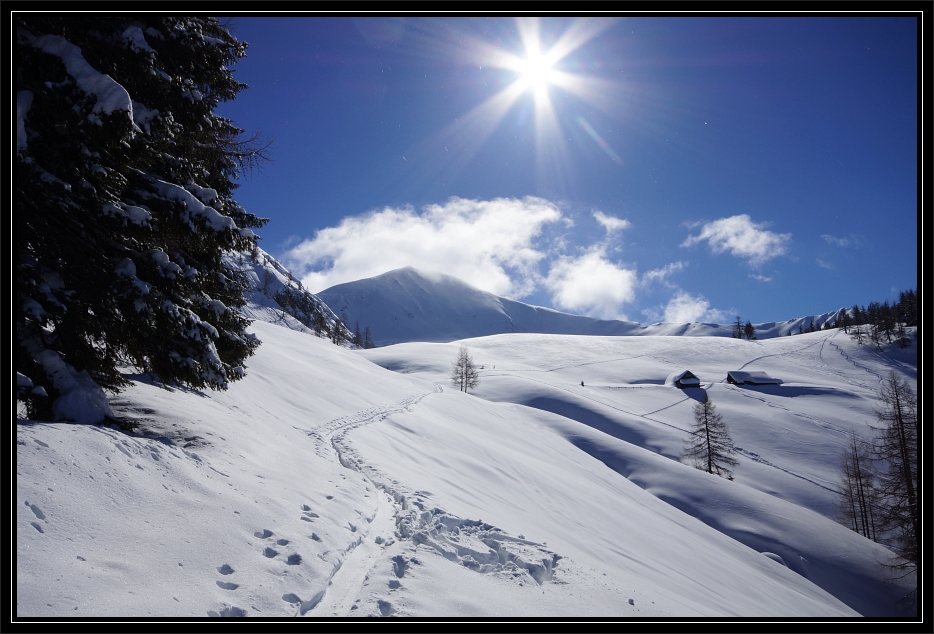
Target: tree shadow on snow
(587, 417)
(699, 394)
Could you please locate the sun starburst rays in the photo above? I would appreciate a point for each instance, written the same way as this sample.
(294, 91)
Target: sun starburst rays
(537, 75)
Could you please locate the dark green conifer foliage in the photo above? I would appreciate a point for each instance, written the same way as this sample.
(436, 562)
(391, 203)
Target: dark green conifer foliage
(749, 331)
(124, 202)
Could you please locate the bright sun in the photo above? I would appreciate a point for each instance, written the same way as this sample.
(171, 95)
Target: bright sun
(536, 71)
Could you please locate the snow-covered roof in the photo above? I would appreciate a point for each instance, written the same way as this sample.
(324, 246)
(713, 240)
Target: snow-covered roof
(686, 377)
(752, 377)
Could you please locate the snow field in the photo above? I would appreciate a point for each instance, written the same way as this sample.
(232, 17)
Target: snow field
(323, 485)
(789, 437)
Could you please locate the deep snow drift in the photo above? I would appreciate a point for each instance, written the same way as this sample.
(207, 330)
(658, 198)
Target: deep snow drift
(409, 305)
(323, 484)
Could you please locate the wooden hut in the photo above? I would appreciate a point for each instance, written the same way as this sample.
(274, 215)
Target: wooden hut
(683, 379)
(740, 377)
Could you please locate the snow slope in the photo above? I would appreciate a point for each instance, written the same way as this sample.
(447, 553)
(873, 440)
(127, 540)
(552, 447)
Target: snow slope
(323, 484)
(789, 437)
(268, 280)
(408, 305)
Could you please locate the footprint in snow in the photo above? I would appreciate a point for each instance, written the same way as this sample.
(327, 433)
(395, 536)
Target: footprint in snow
(270, 552)
(303, 606)
(228, 612)
(36, 511)
(399, 565)
(263, 534)
(225, 569)
(227, 585)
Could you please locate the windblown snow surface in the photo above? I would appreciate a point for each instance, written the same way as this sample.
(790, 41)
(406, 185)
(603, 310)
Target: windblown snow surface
(324, 484)
(411, 305)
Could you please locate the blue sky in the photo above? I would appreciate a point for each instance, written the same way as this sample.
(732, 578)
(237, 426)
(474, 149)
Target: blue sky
(653, 169)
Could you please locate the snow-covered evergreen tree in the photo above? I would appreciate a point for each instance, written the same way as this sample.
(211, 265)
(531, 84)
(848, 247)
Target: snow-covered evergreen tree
(124, 207)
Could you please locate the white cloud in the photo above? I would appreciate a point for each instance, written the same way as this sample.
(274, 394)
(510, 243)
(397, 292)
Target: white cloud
(611, 223)
(489, 244)
(686, 308)
(761, 278)
(591, 284)
(742, 238)
(660, 275)
(826, 265)
(849, 241)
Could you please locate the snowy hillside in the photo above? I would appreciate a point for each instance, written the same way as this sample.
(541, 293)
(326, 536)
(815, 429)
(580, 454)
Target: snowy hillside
(323, 484)
(275, 296)
(409, 305)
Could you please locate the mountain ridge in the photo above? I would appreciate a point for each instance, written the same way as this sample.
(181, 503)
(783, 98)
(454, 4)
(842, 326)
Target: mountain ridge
(405, 305)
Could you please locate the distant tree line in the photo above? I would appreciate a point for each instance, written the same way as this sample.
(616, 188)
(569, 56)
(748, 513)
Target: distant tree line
(365, 340)
(876, 323)
(740, 331)
(310, 311)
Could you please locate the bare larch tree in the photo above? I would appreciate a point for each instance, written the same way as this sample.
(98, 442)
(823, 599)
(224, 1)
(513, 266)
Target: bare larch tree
(896, 452)
(464, 375)
(709, 446)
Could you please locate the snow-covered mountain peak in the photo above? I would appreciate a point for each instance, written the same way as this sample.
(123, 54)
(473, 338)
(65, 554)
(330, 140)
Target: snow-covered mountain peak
(407, 304)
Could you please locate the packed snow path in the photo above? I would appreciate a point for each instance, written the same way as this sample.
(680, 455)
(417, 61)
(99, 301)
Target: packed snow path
(473, 544)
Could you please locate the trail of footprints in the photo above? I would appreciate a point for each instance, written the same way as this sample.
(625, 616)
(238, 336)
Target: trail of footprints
(473, 544)
(344, 423)
(271, 545)
(270, 552)
(37, 512)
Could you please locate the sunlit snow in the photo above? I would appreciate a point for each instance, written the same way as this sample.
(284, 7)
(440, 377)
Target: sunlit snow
(339, 482)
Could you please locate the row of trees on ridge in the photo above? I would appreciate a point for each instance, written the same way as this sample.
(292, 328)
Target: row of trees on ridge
(877, 323)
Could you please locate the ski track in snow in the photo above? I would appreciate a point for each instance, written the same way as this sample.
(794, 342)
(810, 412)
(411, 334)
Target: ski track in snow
(751, 455)
(474, 544)
(757, 458)
(813, 419)
(860, 365)
(778, 354)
